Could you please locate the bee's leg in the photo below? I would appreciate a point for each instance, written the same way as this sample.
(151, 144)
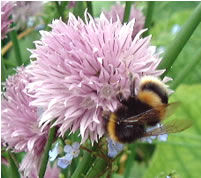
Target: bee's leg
(121, 98)
(132, 85)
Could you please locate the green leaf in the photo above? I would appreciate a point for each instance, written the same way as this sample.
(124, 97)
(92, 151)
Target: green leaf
(149, 14)
(181, 157)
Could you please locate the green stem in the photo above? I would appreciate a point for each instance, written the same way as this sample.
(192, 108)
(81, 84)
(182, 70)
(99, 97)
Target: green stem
(149, 14)
(97, 168)
(129, 162)
(127, 11)
(179, 42)
(46, 152)
(15, 173)
(59, 9)
(3, 70)
(13, 36)
(186, 70)
(89, 7)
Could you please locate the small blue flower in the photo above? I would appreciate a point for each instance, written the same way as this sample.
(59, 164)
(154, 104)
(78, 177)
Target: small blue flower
(114, 148)
(54, 152)
(65, 161)
(73, 150)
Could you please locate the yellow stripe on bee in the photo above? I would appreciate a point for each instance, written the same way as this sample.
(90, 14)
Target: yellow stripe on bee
(149, 98)
(111, 127)
(153, 100)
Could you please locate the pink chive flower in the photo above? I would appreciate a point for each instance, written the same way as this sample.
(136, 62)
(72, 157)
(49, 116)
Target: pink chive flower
(19, 121)
(118, 10)
(80, 68)
(6, 10)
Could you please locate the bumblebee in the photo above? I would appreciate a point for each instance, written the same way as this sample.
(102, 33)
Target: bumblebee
(136, 113)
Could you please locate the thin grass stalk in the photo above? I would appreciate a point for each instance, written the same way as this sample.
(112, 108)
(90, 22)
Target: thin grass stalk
(3, 70)
(148, 19)
(45, 158)
(127, 11)
(13, 36)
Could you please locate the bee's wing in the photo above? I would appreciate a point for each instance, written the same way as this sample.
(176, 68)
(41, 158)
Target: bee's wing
(171, 126)
(152, 113)
(170, 109)
(142, 117)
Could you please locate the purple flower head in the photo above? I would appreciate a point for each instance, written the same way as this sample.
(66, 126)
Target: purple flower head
(80, 68)
(6, 10)
(19, 122)
(117, 11)
(25, 12)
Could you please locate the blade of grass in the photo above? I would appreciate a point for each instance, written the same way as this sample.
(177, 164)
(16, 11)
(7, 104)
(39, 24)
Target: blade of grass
(13, 36)
(149, 14)
(15, 173)
(46, 152)
(3, 70)
(127, 11)
(179, 42)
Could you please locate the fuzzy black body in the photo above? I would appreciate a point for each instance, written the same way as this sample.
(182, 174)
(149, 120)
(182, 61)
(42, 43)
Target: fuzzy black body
(129, 133)
(142, 107)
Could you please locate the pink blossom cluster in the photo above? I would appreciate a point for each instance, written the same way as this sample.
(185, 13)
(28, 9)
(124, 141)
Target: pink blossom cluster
(79, 68)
